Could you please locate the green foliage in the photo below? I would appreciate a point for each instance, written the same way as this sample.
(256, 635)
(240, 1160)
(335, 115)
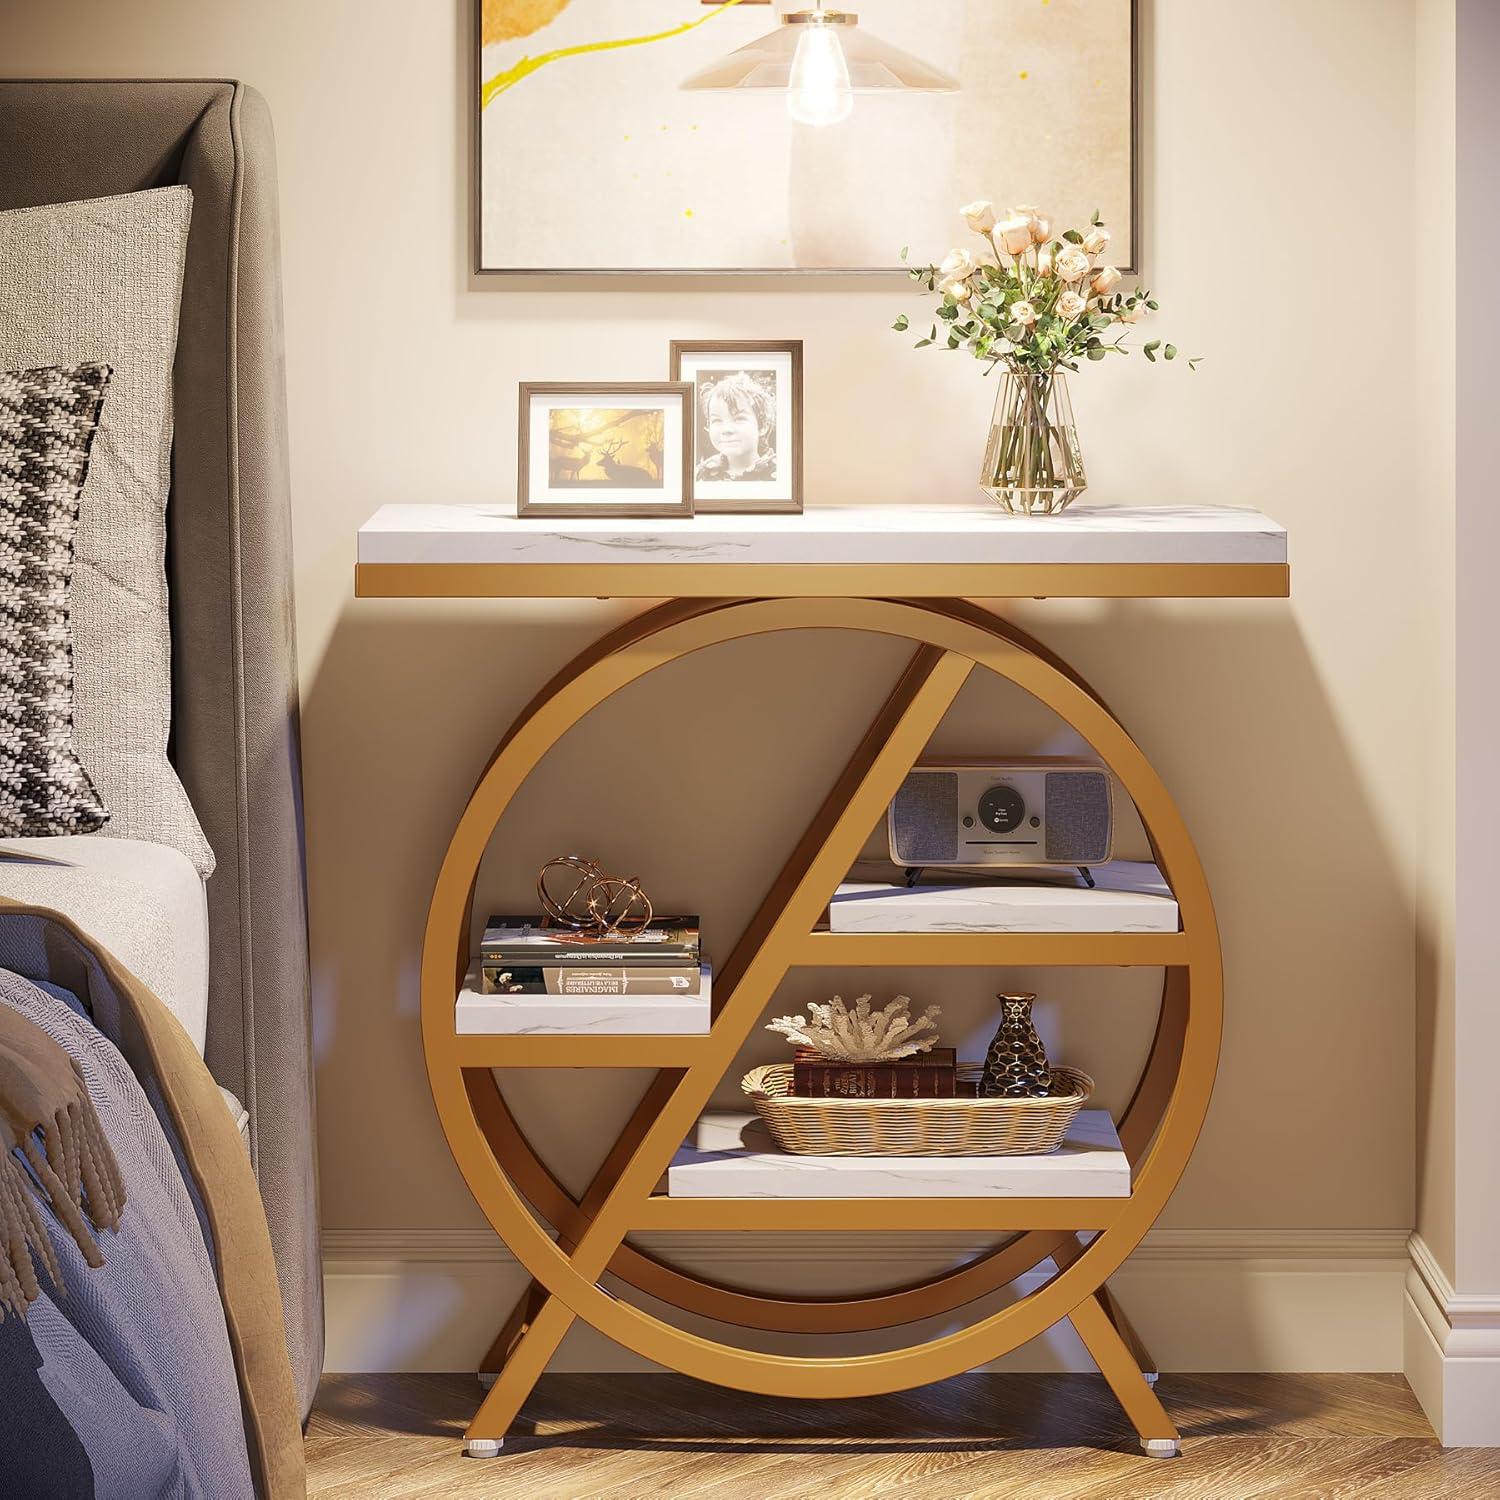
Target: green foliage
(1017, 311)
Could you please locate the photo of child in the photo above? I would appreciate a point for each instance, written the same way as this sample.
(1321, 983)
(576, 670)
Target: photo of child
(747, 428)
(737, 426)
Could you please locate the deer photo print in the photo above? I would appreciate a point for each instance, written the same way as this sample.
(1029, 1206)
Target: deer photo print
(747, 427)
(606, 450)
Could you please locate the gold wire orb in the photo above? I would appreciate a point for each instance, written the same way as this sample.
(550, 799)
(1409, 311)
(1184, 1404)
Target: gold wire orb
(576, 894)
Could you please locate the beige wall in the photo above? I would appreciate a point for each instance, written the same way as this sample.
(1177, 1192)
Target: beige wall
(1278, 162)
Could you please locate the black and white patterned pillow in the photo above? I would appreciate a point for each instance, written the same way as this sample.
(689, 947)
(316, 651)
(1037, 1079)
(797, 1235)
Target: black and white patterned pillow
(47, 423)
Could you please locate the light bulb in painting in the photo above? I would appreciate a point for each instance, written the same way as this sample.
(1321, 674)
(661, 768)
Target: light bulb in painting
(818, 92)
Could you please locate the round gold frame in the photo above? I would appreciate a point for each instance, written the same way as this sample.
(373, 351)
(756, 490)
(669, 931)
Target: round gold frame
(1158, 1129)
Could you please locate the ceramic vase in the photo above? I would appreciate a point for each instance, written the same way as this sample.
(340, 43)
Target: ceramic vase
(1016, 1065)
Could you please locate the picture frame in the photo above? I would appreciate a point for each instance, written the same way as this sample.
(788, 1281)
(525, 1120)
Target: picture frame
(613, 449)
(659, 238)
(753, 387)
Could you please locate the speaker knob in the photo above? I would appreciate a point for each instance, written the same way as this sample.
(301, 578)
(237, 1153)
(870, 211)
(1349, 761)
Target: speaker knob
(1002, 809)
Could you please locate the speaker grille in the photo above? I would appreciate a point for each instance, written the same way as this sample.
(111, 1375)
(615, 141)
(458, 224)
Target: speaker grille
(923, 819)
(1078, 830)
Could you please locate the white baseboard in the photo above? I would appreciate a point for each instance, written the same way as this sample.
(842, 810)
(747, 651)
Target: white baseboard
(1452, 1353)
(1201, 1299)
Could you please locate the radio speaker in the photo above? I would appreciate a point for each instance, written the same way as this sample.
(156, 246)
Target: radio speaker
(1078, 817)
(975, 814)
(924, 818)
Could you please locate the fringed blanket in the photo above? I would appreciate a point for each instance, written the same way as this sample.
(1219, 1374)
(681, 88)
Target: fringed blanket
(161, 1371)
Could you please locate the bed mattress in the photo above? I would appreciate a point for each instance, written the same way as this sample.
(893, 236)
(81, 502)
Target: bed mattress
(144, 902)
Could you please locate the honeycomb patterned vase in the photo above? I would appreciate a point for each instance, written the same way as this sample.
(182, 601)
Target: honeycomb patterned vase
(1016, 1065)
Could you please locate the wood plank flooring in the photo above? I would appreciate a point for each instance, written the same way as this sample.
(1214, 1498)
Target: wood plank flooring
(1023, 1437)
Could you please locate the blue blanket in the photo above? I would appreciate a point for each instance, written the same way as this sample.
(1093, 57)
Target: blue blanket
(122, 1384)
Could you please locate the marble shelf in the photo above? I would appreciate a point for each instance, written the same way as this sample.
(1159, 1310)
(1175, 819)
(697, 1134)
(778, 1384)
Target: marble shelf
(929, 550)
(1129, 896)
(732, 1155)
(477, 1014)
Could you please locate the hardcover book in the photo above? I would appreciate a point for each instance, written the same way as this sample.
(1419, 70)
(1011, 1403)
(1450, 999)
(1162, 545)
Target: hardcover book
(924, 1075)
(588, 979)
(671, 941)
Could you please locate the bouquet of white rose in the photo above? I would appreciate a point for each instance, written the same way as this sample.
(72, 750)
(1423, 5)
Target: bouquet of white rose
(1035, 304)
(1041, 302)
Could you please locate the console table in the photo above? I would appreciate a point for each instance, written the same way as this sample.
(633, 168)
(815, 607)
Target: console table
(900, 572)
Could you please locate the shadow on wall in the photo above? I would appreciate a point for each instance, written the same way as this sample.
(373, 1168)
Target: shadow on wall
(701, 777)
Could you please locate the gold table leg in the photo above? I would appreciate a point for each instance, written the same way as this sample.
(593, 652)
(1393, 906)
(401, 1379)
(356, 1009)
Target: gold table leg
(1117, 1363)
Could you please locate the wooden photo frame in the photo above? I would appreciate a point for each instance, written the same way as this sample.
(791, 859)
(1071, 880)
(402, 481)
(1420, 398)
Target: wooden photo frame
(746, 422)
(606, 448)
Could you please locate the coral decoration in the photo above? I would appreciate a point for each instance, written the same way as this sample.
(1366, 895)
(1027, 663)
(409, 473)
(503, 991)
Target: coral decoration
(861, 1035)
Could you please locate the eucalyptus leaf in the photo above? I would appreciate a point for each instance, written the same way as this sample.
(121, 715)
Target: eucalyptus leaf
(1170, 351)
(1072, 236)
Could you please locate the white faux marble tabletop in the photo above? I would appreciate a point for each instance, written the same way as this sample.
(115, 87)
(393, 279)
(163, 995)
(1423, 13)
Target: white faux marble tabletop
(975, 534)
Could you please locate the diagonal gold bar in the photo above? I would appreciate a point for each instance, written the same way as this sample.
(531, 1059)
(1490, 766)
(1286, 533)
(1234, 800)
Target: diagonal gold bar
(763, 954)
(760, 959)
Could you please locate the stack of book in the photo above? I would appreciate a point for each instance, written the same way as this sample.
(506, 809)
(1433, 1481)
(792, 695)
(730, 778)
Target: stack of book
(522, 956)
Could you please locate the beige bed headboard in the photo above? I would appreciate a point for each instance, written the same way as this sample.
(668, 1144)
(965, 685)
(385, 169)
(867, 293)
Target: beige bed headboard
(230, 570)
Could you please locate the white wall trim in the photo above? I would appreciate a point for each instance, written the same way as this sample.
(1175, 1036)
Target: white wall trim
(1452, 1352)
(1204, 1299)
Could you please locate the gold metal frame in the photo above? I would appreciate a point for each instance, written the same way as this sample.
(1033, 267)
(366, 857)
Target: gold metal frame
(509, 1181)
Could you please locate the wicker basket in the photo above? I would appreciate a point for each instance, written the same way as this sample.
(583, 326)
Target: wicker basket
(916, 1127)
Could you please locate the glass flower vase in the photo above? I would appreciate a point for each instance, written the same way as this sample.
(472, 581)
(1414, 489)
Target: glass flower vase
(1032, 464)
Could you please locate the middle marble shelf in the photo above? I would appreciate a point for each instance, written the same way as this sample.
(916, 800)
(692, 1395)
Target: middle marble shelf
(1128, 917)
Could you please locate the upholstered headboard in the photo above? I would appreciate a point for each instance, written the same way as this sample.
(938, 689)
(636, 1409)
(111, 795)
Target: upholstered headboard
(234, 677)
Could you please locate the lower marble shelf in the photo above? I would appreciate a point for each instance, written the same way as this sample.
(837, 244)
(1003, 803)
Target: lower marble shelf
(732, 1155)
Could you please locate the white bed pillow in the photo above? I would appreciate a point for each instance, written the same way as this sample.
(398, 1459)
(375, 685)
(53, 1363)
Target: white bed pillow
(101, 281)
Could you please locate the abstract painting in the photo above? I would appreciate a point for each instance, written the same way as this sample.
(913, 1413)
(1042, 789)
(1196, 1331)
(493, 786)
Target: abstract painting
(593, 158)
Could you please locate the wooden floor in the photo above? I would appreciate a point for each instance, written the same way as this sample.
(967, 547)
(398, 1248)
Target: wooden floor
(1024, 1437)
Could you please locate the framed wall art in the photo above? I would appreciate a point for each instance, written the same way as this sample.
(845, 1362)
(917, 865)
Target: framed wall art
(606, 449)
(747, 423)
(671, 136)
